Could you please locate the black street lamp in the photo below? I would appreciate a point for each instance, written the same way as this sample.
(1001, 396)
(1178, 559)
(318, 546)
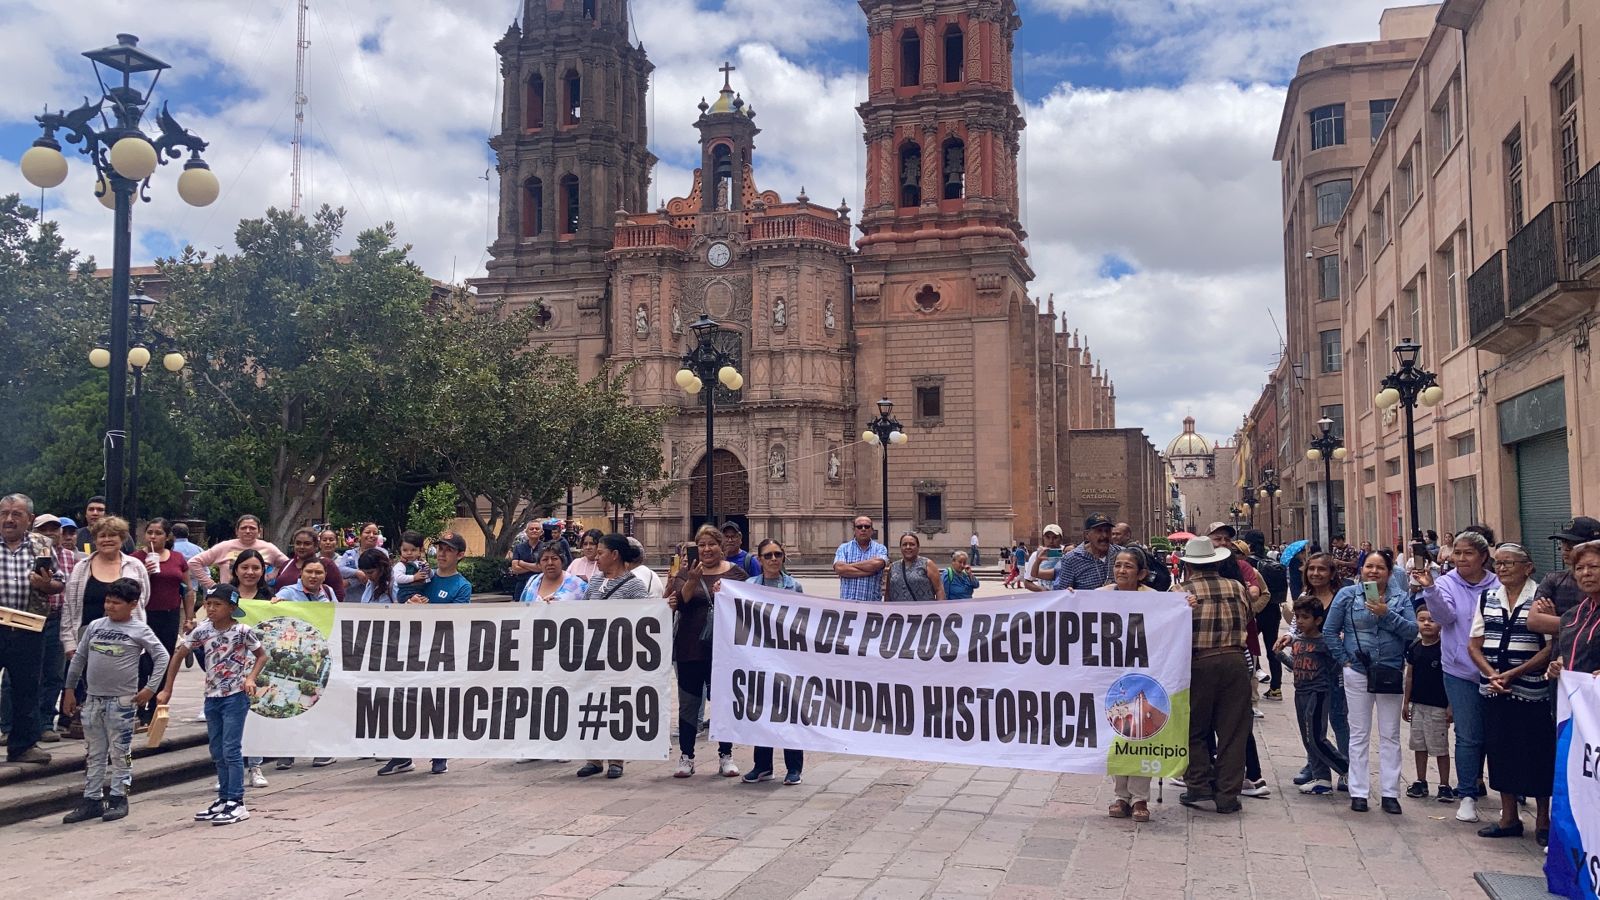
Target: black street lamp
(1327, 447)
(1407, 386)
(124, 158)
(1233, 512)
(881, 432)
(1247, 503)
(705, 362)
(138, 356)
(1270, 491)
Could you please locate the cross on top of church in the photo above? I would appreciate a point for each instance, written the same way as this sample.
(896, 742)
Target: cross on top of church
(727, 69)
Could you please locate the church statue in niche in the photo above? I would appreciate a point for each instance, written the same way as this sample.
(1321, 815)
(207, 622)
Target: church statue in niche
(828, 321)
(677, 321)
(641, 321)
(780, 314)
(777, 463)
(833, 463)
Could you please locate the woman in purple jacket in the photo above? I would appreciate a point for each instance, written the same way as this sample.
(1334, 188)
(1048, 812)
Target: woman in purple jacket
(1452, 600)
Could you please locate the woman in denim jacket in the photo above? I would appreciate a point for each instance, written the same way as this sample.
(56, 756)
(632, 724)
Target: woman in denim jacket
(1359, 635)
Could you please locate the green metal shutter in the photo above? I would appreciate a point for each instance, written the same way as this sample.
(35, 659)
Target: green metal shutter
(1544, 499)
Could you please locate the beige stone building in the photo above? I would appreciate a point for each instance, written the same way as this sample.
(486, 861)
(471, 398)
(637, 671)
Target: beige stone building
(1116, 471)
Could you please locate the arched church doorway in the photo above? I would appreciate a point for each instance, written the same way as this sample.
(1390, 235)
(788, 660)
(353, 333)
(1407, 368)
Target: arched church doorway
(731, 488)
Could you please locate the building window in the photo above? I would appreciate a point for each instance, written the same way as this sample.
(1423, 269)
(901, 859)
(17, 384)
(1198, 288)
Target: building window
(1451, 290)
(1358, 258)
(1332, 360)
(1327, 126)
(532, 208)
(929, 392)
(1328, 277)
(572, 85)
(533, 103)
(1363, 369)
(1463, 502)
(1336, 413)
(570, 205)
(1380, 223)
(910, 174)
(1369, 474)
(1378, 111)
(1566, 97)
(1424, 459)
(1332, 198)
(1391, 467)
(930, 506)
(1445, 119)
(910, 58)
(1411, 308)
(954, 169)
(1463, 445)
(1427, 506)
(1516, 211)
(955, 53)
(1405, 180)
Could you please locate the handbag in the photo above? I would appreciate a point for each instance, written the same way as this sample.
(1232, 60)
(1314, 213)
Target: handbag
(1380, 679)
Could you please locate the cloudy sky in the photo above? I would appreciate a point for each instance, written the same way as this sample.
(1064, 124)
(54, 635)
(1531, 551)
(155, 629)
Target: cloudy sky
(1151, 196)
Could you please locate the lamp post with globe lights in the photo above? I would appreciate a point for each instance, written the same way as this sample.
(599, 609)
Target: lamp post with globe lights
(704, 362)
(1270, 491)
(139, 356)
(1407, 386)
(881, 432)
(124, 158)
(1327, 447)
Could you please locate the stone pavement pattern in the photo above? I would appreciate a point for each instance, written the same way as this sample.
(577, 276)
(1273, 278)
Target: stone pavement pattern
(858, 827)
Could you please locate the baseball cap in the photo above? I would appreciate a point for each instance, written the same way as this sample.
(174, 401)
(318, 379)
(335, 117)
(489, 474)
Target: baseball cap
(452, 540)
(1096, 521)
(44, 519)
(68, 523)
(226, 592)
(1053, 528)
(1215, 527)
(1578, 531)
(731, 526)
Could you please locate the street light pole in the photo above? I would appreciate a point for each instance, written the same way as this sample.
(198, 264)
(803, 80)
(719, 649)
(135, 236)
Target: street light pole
(124, 158)
(1408, 385)
(137, 357)
(881, 432)
(703, 363)
(1270, 492)
(1327, 447)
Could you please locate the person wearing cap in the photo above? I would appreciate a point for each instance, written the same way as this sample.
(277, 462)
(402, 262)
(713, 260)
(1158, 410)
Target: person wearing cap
(447, 585)
(1219, 684)
(1559, 591)
(229, 646)
(1040, 569)
(69, 535)
(1088, 566)
(733, 550)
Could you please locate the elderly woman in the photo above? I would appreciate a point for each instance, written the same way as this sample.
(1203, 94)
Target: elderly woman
(960, 582)
(1128, 571)
(1452, 600)
(1519, 737)
(912, 577)
(690, 594)
(552, 582)
(1368, 629)
(84, 599)
(771, 555)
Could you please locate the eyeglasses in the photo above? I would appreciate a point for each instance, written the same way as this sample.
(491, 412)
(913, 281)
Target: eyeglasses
(1508, 563)
(859, 527)
(776, 554)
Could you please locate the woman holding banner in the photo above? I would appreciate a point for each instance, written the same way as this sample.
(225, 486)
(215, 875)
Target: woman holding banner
(1128, 571)
(613, 581)
(1519, 736)
(690, 594)
(553, 582)
(771, 554)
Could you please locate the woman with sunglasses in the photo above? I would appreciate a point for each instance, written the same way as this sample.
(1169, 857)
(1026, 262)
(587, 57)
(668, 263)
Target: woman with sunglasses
(772, 555)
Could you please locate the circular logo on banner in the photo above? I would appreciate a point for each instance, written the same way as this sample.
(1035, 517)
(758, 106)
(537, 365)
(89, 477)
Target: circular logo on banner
(297, 668)
(1137, 707)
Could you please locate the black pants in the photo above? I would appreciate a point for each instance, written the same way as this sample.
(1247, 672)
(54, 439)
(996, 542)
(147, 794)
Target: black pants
(793, 760)
(694, 676)
(165, 623)
(1311, 710)
(22, 656)
(1268, 621)
(1252, 758)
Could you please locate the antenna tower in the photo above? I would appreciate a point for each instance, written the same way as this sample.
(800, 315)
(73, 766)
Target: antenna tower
(300, 47)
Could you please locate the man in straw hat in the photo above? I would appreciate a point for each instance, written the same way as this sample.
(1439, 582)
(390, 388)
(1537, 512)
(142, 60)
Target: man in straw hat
(1219, 683)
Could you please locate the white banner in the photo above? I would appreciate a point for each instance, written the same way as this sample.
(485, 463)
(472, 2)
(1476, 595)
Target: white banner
(577, 680)
(1572, 866)
(1091, 681)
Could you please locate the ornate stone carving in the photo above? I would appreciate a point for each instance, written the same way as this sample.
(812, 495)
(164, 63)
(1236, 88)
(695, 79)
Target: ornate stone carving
(641, 321)
(777, 463)
(780, 314)
(832, 469)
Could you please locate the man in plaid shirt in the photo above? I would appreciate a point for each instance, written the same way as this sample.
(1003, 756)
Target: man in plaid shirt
(24, 586)
(1219, 683)
(859, 563)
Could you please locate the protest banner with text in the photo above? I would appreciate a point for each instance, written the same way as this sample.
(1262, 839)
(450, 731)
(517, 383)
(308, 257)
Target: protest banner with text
(1572, 862)
(529, 681)
(1088, 681)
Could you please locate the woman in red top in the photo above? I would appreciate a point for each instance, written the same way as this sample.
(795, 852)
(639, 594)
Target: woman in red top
(169, 606)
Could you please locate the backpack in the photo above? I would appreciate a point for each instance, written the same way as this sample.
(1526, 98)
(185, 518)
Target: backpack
(1160, 577)
(1274, 575)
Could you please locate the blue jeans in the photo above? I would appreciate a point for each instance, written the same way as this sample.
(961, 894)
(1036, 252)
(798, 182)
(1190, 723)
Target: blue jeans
(108, 731)
(225, 727)
(1466, 705)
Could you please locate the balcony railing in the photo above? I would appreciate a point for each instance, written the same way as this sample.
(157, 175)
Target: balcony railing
(1534, 259)
(800, 227)
(1583, 223)
(633, 237)
(1486, 296)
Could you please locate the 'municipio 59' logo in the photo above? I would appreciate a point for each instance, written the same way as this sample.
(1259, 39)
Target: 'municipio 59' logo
(1137, 707)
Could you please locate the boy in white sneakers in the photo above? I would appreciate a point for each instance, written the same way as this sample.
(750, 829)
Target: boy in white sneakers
(230, 683)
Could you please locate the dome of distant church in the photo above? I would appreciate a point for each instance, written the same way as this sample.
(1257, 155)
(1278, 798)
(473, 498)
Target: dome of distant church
(1190, 443)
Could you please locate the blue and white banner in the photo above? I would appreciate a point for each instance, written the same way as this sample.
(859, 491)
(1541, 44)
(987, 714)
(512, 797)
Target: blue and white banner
(1572, 868)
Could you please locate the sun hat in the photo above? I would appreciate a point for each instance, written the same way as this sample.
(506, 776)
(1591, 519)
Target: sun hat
(1201, 552)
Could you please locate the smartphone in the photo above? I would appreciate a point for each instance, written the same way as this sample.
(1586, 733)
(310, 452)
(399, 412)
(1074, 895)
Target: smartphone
(1053, 553)
(691, 555)
(45, 564)
(1419, 553)
(1370, 588)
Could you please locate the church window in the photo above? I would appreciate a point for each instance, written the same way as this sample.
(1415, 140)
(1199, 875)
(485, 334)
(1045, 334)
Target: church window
(927, 298)
(573, 86)
(955, 53)
(532, 208)
(955, 169)
(929, 393)
(930, 505)
(569, 204)
(533, 117)
(722, 176)
(910, 58)
(910, 174)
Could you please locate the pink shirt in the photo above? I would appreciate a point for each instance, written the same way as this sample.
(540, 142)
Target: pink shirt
(222, 555)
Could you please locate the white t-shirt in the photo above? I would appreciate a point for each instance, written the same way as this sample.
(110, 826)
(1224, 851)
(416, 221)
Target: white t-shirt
(652, 582)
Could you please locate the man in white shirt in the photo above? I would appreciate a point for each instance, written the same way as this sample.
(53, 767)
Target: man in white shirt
(1041, 568)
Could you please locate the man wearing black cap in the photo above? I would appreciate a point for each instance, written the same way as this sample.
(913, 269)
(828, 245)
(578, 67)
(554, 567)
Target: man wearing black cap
(1088, 566)
(1559, 591)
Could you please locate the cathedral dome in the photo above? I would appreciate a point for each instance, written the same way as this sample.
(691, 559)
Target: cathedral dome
(1190, 443)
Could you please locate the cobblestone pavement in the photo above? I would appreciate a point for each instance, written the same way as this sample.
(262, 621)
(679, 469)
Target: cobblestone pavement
(858, 827)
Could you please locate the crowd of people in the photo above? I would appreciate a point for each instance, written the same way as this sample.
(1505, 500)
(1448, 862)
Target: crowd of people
(1458, 636)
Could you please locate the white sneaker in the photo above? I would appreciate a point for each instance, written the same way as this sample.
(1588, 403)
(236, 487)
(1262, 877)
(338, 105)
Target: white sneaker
(726, 767)
(1317, 787)
(210, 812)
(1262, 677)
(231, 812)
(1256, 789)
(201, 717)
(1468, 810)
(1176, 781)
(685, 767)
(1257, 713)
(254, 778)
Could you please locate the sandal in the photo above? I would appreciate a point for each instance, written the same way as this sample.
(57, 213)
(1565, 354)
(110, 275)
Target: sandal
(1120, 810)
(1141, 811)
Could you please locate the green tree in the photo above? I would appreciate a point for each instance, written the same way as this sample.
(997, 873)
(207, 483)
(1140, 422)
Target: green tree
(432, 509)
(297, 354)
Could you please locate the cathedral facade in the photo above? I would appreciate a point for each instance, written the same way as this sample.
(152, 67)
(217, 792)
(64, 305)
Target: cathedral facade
(926, 306)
